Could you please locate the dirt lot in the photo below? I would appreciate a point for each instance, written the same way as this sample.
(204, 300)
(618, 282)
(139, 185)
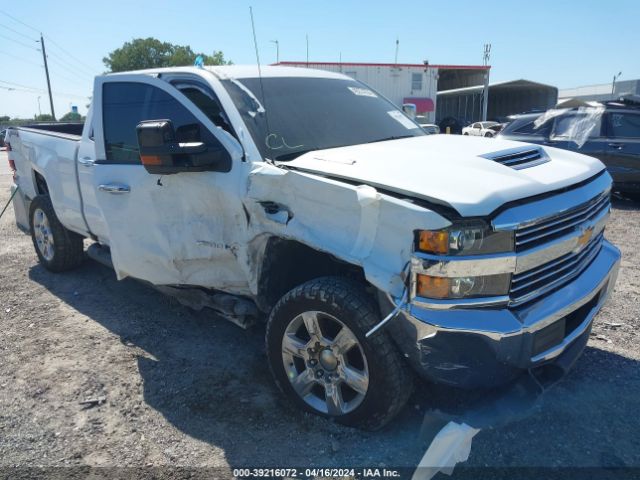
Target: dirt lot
(189, 389)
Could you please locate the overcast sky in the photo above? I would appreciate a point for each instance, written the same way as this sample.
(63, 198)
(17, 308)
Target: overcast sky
(562, 43)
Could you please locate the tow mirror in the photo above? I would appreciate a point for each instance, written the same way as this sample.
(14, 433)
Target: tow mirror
(165, 151)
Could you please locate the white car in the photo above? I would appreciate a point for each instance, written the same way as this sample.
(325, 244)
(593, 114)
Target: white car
(368, 247)
(480, 129)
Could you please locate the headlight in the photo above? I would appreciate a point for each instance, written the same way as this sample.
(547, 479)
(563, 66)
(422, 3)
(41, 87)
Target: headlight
(462, 287)
(474, 238)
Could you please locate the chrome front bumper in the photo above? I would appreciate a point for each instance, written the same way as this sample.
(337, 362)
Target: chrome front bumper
(472, 347)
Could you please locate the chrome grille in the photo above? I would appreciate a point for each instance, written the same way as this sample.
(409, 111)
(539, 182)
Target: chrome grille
(531, 284)
(519, 158)
(556, 226)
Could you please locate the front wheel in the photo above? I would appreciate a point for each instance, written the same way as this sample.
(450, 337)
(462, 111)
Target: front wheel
(321, 360)
(488, 135)
(58, 249)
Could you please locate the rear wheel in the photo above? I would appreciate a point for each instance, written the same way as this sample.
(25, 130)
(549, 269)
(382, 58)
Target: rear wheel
(58, 249)
(322, 361)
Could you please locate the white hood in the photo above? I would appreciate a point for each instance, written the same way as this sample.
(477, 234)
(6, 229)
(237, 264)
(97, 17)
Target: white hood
(448, 169)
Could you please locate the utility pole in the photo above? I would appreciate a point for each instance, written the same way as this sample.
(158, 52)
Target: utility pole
(397, 47)
(486, 56)
(277, 50)
(39, 109)
(46, 70)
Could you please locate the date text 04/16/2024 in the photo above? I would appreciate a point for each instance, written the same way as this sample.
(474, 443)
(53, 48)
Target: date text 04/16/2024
(315, 472)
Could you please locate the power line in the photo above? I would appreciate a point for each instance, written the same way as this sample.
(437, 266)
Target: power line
(52, 41)
(20, 59)
(18, 33)
(55, 58)
(21, 22)
(19, 42)
(41, 90)
(85, 65)
(56, 73)
(18, 89)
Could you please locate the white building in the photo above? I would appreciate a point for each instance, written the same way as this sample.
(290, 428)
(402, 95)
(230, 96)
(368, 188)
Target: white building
(408, 83)
(601, 92)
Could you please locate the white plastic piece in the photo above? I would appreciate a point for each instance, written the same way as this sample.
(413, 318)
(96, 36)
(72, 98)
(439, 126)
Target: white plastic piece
(450, 446)
(585, 120)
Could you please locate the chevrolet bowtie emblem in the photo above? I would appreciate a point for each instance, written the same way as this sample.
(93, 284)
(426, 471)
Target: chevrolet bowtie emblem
(584, 237)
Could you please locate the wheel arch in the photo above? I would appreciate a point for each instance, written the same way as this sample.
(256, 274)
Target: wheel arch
(40, 183)
(288, 263)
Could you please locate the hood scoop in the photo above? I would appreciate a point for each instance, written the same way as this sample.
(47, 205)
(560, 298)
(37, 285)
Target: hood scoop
(519, 158)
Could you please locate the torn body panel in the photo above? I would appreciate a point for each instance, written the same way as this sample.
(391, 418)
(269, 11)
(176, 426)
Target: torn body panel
(196, 229)
(356, 224)
(176, 230)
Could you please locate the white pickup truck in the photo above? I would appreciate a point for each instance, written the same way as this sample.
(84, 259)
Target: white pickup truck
(305, 199)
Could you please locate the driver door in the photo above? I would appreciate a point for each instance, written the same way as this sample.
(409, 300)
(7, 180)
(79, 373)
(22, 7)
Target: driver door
(166, 229)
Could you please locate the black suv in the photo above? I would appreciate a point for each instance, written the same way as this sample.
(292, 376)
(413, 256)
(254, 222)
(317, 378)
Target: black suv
(614, 139)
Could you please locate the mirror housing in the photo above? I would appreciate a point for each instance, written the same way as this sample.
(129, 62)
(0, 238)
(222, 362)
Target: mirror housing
(162, 152)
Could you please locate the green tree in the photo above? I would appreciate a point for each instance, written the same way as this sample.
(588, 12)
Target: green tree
(45, 117)
(5, 118)
(150, 52)
(71, 117)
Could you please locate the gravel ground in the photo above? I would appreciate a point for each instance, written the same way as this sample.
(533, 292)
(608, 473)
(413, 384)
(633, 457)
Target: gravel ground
(186, 388)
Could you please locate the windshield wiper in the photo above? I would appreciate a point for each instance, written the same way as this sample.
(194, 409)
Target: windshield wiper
(392, 138)
(292, 155)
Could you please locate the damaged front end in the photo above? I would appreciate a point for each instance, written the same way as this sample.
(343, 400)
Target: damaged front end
(560, 272)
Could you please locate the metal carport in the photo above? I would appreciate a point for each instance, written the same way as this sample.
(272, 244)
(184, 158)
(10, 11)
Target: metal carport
(505, 98)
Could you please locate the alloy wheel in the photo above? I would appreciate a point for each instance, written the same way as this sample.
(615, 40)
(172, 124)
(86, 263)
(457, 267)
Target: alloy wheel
(325, 363)
(43, 234)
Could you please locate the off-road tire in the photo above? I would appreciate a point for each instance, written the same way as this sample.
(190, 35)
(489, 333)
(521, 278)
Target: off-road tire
(68, 248)
(390, 377)
(488, 135)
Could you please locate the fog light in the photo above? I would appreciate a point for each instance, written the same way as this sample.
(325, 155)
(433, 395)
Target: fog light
(433, 287)
(462, 287)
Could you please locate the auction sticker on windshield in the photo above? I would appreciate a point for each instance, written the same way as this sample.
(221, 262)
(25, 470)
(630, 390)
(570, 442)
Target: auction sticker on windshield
(363, 92)
(404, 121)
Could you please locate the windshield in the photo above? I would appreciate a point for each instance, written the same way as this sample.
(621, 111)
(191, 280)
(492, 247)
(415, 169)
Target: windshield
(301, 114)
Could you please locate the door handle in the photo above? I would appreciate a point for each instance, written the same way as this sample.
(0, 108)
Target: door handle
(114, 188)
(86, 161)
(617, 146)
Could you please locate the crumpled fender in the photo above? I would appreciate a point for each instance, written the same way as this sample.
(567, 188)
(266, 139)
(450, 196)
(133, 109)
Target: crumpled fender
(354, 223)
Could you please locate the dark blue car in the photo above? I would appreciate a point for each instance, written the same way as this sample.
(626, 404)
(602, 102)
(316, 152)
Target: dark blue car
(609, 132)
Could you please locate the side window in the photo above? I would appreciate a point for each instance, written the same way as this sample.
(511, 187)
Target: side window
(573, 126)
(624, 125)
(208, 104)
(125, 104)
(529, 128)
(416, 81)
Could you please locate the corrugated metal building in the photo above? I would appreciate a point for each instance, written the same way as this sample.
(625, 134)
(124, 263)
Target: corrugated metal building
(504, 99)
(405, 82)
